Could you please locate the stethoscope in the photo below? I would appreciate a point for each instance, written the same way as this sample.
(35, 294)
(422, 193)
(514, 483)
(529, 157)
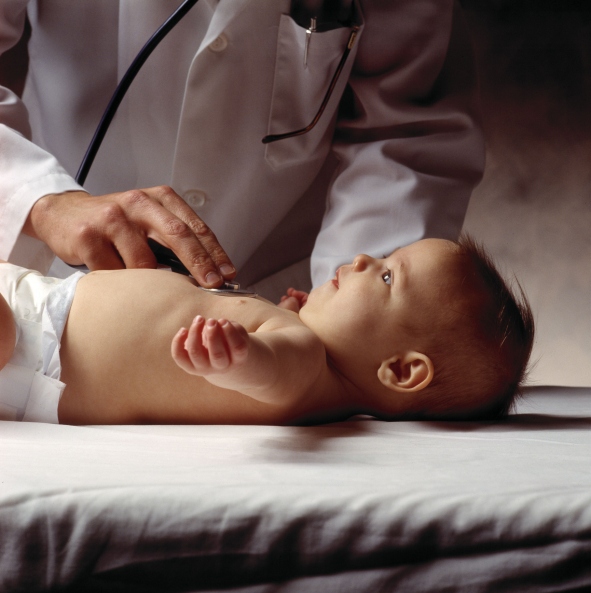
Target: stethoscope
(164, 256)
(306, 10)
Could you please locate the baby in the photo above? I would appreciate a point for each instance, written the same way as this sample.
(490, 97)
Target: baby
(431, 331)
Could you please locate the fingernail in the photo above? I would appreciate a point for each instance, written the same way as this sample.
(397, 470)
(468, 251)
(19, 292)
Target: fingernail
(227, 269)
(213, 278)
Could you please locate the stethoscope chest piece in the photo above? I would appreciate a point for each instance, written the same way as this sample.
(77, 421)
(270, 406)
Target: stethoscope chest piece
(230, 289)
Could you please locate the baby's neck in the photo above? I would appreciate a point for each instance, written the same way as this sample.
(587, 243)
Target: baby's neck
(335, 398)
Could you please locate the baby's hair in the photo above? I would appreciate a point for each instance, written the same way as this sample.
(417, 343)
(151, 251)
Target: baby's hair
(482, 351)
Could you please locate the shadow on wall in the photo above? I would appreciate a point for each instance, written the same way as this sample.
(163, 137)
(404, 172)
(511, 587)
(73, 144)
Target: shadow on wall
(13, 64)
(533, 207)
(538, 55)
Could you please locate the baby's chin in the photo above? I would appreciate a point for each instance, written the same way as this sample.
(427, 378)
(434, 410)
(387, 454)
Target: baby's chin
(312, 296)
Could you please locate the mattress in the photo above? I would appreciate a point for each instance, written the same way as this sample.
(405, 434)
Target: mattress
(357, 506)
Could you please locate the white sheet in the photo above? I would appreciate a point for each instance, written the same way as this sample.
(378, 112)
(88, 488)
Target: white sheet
(357, 506)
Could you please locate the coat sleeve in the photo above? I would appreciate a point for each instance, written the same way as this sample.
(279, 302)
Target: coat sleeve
(27, 172)
(408, 137)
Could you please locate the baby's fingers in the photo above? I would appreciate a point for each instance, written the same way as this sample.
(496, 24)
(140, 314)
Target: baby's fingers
(237, 340)
(210, 346)
(195, 347)
(214, 340)
(179, 354)
(298, 294)
(290, 303)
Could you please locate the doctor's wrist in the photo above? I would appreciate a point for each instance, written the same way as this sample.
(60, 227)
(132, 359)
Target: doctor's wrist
(40, 214)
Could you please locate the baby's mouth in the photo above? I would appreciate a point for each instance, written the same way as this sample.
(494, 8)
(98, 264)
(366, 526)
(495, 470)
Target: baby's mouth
(336, 278)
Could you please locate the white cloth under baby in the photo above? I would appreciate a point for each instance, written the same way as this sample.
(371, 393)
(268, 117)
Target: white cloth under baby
(30, 386)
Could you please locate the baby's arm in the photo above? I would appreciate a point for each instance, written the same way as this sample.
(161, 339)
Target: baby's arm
(7, 332)
(274, 363)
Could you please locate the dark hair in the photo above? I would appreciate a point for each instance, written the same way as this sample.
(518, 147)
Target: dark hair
(482, 350)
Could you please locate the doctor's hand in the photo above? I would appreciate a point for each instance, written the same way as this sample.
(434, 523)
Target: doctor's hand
(110, 232)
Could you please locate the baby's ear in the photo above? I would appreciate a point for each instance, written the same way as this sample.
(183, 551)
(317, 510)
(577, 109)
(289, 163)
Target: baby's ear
(410, 371)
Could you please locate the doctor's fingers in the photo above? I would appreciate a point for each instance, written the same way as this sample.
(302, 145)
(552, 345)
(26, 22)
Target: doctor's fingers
(126, 219)
(112, 249)
(194, 243)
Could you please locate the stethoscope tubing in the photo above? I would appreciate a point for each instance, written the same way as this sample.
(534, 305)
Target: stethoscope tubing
(163, 255)
(125, 83)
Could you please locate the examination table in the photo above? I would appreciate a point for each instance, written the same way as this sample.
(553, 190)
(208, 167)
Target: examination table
(354, 507)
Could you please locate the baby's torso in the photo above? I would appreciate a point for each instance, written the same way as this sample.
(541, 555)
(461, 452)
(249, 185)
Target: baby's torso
(118, 339)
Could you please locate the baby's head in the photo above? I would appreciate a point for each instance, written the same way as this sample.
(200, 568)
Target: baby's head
(431, 331)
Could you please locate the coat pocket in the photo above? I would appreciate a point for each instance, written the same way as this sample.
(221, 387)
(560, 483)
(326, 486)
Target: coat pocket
(299, 89)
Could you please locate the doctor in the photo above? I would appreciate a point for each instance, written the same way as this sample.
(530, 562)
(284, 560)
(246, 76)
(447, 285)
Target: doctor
(393, 157)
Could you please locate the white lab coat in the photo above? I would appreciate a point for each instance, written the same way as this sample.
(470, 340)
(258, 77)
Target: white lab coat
(397, 163)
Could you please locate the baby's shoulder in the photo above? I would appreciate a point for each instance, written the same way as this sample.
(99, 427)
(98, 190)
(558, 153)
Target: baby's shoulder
(278, 318)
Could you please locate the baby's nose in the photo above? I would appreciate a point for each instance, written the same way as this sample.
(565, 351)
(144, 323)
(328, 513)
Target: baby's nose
(361, 262)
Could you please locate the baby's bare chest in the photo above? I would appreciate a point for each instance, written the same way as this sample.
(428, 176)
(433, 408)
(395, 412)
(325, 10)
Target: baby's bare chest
(164, 301)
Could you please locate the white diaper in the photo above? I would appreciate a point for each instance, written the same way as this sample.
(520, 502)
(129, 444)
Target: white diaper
(30, 388)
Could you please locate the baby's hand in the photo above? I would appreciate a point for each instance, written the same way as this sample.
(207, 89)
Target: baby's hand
(210, 347)
(294, 300)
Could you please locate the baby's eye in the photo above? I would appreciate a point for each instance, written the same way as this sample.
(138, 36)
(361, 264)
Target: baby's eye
(387, 277)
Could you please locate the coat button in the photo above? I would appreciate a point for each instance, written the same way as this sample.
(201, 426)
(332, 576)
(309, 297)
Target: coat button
(195, 198)
(218, 44)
